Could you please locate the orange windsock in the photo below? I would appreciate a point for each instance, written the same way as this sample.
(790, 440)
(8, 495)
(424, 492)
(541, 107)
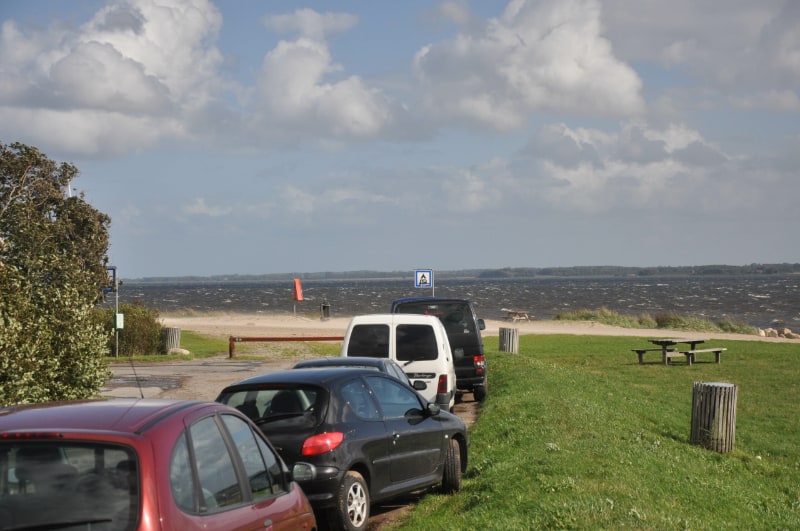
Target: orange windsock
(298, 290)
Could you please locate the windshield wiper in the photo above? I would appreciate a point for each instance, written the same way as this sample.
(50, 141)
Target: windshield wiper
(412, 360)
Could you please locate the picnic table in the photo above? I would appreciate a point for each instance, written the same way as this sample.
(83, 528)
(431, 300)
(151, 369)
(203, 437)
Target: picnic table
(516, 315)
(669, 350)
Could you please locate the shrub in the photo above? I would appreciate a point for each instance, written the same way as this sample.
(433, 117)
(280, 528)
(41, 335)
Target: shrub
(141, 335)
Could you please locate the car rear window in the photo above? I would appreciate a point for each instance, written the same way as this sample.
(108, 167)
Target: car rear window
(416, 342)
(45, 484)
(370, 340)
(279, 405)
(455, 316)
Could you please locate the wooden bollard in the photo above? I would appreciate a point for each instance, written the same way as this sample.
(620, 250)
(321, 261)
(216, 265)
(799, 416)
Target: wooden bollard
(714, 415)
(509, 340)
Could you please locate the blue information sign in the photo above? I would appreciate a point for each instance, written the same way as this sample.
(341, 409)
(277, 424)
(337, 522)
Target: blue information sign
(423, 278)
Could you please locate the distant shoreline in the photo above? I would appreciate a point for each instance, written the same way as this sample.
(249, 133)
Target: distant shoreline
(512, 273)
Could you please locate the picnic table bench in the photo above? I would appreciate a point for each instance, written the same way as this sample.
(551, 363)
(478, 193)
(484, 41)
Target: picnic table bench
(690, 354)
(641, 351)
(516, 315)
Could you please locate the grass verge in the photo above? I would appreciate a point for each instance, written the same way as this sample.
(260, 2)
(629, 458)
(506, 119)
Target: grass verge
(576, 435)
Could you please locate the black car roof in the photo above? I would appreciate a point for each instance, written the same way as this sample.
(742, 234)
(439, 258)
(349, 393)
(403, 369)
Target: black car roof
(427, 299)
(311, 376)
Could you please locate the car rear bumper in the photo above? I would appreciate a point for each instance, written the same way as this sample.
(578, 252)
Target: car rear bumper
(443, 400)
(321, 491)
(470, 382)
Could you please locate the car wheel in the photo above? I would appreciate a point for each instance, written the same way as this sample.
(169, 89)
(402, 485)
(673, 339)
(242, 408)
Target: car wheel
(352, 504)
(451, 478)
(479, 392)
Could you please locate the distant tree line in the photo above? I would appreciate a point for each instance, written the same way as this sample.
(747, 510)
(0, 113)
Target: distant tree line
(503, 273)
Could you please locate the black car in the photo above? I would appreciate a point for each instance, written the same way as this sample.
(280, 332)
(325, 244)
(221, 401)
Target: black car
(369, 436)
(464, 333)
(386, 365)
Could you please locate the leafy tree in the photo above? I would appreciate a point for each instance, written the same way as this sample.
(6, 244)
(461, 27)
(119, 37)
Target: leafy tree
(52, 270)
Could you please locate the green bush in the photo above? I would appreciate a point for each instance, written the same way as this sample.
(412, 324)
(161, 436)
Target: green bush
(141, 334)
(666, 321)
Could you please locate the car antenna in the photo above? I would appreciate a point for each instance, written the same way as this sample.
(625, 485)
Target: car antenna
(136, 378)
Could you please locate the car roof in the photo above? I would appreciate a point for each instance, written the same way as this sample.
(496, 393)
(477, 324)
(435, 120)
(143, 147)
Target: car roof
(387, 318)
(404, 300)
(322, 376)
(121, 415)
(357, 361)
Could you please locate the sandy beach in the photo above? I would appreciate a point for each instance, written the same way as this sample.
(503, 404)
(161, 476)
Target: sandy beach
(264, 325)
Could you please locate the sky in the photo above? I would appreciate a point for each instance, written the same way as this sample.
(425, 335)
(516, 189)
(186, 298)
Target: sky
(252, 137)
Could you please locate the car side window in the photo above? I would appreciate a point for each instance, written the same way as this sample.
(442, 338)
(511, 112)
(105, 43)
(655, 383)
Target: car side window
(396, 400)
(264, 471)
(215, 470)
(181, 479)
(356, 395)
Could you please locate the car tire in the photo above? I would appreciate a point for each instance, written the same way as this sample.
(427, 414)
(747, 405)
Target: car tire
(352, 504)
(479, 392)
(451, 478)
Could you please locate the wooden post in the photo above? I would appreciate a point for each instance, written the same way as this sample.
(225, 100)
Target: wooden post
(509, 340)
(172, 338)
(714, 415)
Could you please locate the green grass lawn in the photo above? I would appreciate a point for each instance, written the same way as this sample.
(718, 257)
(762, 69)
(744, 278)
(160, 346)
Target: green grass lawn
(576, 434)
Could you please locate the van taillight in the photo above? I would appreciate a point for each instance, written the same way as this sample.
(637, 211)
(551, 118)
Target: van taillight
(324, 442)
(480, 364)
(442, 384)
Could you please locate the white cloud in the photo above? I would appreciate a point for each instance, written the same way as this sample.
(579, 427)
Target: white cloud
(466, 191)
(456, 11)
(309, 23)
(547, 55)
(635, 168)
(199, 207)
(294, 92)
(127, 78)
(732, 51)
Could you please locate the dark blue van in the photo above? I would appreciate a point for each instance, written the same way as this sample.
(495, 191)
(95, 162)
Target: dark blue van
(464, 333)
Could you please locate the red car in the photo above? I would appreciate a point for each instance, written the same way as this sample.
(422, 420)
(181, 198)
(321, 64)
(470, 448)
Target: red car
(126, 464)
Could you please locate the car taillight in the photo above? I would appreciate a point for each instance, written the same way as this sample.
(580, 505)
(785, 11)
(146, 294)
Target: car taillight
(324, 442)
(480, 364)
(442, 384)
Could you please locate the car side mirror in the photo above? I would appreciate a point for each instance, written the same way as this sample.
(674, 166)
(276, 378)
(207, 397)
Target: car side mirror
(481, 324)
(419, 385)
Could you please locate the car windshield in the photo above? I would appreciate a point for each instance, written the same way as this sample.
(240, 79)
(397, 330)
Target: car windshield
(59, 484)
(279, 405)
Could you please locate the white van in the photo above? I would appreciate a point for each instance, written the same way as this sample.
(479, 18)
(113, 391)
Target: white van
(418, 343)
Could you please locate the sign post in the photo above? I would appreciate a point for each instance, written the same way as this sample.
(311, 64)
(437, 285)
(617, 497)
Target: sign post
(423, 278)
